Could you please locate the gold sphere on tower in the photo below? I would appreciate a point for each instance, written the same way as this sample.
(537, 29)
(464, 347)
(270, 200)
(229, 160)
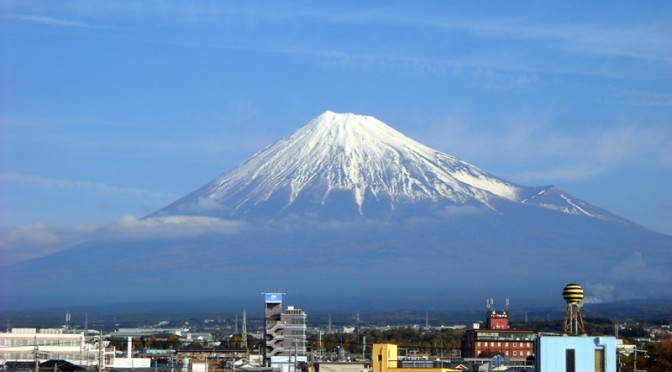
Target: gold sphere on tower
(573, 294)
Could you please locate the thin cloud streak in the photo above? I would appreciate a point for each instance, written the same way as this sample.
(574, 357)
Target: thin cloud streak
(51, 21)
(22, 243)
(635, 40)
(641, 98)
(645, 42)
(72, 185)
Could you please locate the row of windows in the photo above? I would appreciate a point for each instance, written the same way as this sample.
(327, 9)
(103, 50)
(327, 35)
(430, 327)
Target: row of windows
(506, 336)
(521, 353)
(516, 353)
(31, 356)
(506, 344)
(40, 342)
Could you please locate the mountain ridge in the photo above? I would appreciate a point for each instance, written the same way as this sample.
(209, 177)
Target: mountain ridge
(356, 160)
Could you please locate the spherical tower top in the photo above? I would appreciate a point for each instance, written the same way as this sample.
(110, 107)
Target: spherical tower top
(573, 294)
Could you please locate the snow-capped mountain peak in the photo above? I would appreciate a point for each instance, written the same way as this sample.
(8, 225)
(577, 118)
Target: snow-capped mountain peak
(354, 163)
(346, 153)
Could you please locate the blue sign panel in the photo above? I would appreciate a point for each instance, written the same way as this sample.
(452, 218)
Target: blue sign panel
(273, 298)
(497, 361)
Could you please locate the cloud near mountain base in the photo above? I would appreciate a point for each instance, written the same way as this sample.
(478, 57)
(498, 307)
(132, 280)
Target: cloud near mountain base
(22, 243)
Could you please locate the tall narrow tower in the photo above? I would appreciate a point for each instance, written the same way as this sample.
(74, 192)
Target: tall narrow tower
(273, 336)
(573, 295)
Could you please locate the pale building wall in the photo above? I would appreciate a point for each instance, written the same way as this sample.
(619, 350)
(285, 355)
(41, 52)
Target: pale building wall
(19, 345)
(551, 353)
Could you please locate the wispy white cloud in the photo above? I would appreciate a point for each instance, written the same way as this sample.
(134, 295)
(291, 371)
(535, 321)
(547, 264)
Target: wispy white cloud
(227, 138)
(644, 41)
(532, 150)
(129, 227)
(640, 98)
(637, 40)
(51, 21)
(21, 243)
(86, 186)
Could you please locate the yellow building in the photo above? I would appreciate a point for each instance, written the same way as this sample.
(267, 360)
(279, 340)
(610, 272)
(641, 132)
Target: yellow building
(385, 357)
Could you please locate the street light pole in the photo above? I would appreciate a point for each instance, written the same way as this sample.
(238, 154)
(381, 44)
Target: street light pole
(634, 367)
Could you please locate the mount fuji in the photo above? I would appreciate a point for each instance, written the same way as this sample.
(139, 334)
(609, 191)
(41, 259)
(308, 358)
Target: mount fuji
(347, 212)
(346, 165)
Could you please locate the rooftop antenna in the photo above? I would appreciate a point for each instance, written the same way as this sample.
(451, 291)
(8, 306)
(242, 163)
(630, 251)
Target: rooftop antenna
(489, 302)
(506, 304)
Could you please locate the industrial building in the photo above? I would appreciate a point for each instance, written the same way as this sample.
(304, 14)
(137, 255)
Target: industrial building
(496, 338)
(31, 345)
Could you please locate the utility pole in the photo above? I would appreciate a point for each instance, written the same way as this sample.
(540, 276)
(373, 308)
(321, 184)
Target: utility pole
(37, 359)
(357, 318)
(244, 336)
(363, 347)
(296, 352)
(634, 367)
(101, 352)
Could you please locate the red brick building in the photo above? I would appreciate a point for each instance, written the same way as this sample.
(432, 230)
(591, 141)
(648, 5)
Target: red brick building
(497, 339)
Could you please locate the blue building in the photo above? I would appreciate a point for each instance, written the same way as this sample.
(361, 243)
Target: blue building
(575, 354)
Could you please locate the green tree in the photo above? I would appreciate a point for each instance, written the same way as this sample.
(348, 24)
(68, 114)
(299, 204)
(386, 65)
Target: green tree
(173, 342)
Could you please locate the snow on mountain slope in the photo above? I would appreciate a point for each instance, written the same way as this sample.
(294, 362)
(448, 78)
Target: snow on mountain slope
(551, 197)
(347, 159)
(353, 153)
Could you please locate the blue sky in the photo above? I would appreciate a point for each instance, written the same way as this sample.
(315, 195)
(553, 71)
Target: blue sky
(115, 109)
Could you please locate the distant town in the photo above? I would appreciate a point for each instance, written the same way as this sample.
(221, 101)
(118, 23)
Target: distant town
(282, 339)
